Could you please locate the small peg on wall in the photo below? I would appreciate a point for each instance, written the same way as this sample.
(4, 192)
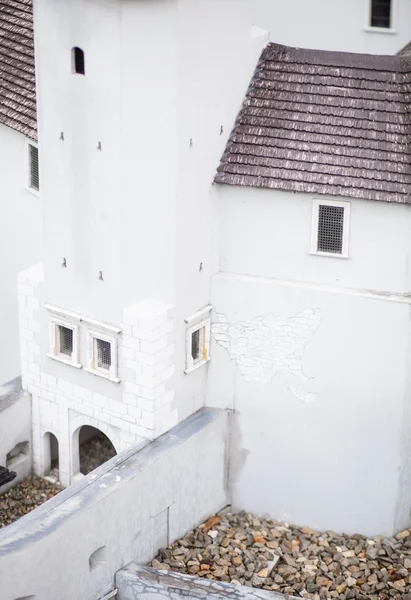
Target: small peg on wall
(191, 142)
(62, 136)
(200, 268)
(99, 146)
(221, 130)
(100, 275)
(64, 263)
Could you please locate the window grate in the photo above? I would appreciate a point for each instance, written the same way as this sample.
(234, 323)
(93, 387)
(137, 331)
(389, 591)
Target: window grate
(65, 340)
(34, 167)
(381, 13)
(330, 229)
(103, 354)
(195, 345)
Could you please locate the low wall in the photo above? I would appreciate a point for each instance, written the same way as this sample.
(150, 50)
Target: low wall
(15, 431)
(151, 584)
(142, 499)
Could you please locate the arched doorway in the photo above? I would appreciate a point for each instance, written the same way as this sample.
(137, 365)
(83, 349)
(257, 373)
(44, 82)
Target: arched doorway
(94, 448)
(51, 456)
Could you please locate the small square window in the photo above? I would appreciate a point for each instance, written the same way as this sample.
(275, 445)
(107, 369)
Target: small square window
(381, 13)
(330, 228)
(64, 340)
(198, 344)
(102, 358)
(33, 174)
(102, 354)
(198, 339)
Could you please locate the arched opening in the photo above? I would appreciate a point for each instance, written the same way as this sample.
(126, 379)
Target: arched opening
(78, 61)
(95, 448)
(51, 456)
(97, 559)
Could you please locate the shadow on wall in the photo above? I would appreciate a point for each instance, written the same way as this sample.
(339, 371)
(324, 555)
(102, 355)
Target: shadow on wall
(95, 448)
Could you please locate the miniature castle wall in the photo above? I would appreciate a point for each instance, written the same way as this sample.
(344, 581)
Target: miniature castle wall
(140, 407)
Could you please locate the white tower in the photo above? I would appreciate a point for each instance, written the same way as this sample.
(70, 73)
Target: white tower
(135, 99)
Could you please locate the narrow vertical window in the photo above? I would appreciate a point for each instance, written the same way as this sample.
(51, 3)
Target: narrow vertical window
(102, 355)
(330, 228)
(198, 339)
(33, 178)
(78, 61)
(381, 13)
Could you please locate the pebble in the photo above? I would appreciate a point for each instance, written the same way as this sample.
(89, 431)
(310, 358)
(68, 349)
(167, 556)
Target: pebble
(244, 549)
(25, 497)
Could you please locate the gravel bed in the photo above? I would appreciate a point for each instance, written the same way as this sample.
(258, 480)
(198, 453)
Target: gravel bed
(246, 550)
(25, 497)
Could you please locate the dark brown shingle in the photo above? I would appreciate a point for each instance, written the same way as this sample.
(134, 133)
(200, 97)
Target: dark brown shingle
(325, 123)
(17, 71)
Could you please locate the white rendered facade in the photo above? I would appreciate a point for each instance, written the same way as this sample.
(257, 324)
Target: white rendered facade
(140, 246)
(125, 149)
(333, 25)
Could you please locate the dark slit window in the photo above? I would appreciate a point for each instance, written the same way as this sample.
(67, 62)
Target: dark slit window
(381, 13)
(78, 61)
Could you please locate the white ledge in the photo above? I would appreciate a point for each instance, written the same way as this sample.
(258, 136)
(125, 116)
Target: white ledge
(380, 30)
(101, 325)
(199, 315)
(64, 361)
(328, 254)
(103, 375)
(197, 366)
(63, 312)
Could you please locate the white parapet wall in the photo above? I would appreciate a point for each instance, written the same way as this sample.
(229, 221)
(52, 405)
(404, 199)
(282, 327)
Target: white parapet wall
(142, 499)
(136, 581)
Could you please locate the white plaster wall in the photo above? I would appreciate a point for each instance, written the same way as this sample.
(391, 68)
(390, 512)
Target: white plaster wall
(15, 428)
(141, 500)
(312, 353)
(20, 242)
(268, 233)
(138, 210)
(332, 25)
(318, 402)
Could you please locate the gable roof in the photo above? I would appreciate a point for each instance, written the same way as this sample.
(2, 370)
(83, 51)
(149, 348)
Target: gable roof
(324, 122)
(17, 71)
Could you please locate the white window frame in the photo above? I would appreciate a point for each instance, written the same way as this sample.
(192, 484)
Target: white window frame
(108, 334)
(314, 228)
(28, 168)
(70, 321)
(390, 30)
(199, 320)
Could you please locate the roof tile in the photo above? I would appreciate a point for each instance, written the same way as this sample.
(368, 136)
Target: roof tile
(326, 123)
(17, 68)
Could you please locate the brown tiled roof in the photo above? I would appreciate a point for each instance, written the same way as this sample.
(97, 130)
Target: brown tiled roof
(325, 123)
(17, 72)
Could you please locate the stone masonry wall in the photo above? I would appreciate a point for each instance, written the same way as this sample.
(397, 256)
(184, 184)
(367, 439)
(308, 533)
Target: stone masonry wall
(146, 407)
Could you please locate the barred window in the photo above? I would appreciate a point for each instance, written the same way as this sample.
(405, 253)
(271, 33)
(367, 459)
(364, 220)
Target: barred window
(330, 224)
(381, 13)
(198, 339)
(197, 344)
(33, 167)
(64, 341)
(102, 354)
(330, 229)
